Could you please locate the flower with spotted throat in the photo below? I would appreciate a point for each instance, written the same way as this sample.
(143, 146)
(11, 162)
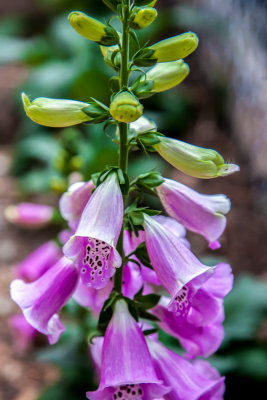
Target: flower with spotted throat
(93, 246)
(126, 365)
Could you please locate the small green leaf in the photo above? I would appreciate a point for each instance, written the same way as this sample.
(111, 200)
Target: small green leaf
(149, 301)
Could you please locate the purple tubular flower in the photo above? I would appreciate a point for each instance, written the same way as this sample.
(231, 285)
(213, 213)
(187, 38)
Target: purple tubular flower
(199, 325)
(72, 203)
(93, 246)
(92, 298)
(200, 213)
(42, 299)
(38, 262)
(174, 264)
(29, 214)
(23, 333)
(187, 381)
(126, 371)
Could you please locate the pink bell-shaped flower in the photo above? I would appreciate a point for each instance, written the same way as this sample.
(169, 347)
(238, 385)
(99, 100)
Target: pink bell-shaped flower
(200, 213)
(173, 262)
(199, 325)
(126, 365)
(93, 246)
(188, 381)
(42, 299)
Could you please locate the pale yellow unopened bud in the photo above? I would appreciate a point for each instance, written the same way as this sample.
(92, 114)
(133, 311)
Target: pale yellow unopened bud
(92, 29)
(193, 160)
(175, 47)
(55, 113)
(167, 75)
(125, 107)
(144, 17)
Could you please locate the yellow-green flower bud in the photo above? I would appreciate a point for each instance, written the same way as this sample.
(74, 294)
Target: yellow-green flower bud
(125, 107)
(93, 29)
(166, 50)
(152, 3)
(167, 75)
(112, 56)
(55, 113)
(193, 160)
(144, 17)
(163, 76)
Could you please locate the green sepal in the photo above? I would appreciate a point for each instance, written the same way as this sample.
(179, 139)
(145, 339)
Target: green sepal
(149, 180)
(111, 38)
(142, 255)
(122, 178)
(149, 301)
(143, 89)
(107, 312)
(146, 141)
(147, 315)
(96, 110)
(132, 306)
(144, 57)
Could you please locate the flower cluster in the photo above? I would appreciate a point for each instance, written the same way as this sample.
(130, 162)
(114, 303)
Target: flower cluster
(132, 267)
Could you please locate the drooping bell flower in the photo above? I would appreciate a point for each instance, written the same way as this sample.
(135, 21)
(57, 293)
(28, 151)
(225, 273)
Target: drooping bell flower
(42, 299)
(197, 319)
(187, 381)
(38, 262)
(29, 215)
(193, 160)
(72, 202)
(134, 277)
(93, 246)
(92, 29)
(171, 49)
(56, 113)
(92, 298)
(174, 264)
(161, 77)
(200, 213)
(126, 365)
(23, 333)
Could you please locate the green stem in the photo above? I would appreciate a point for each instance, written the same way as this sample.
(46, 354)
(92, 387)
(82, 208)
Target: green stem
(123, 128)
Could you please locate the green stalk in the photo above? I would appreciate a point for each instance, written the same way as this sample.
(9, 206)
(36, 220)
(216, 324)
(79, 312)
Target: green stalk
(123, 128)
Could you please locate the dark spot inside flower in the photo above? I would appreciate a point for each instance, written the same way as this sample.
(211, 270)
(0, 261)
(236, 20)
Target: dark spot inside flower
(97, 257)
(100, 272)
(119, 394)
(115, 396)
(99, 263)
(91, 260)
(133, 392)
(140, 391)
